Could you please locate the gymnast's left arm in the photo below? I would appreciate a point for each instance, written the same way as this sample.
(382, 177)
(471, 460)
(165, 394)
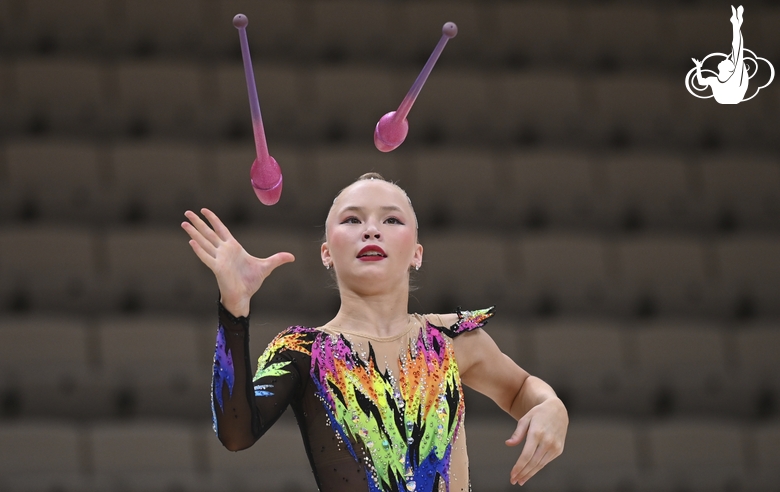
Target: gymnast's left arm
(542, 419)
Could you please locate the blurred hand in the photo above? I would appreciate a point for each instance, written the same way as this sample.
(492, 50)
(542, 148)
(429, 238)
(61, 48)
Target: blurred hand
(239, 275)
(544, 430)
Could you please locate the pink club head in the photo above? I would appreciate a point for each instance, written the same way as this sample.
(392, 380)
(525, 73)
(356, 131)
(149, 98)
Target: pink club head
(266, 179)
(392, 128)
(240, 20)
(390, 132)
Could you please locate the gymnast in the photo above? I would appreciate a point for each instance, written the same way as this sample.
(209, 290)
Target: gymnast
(731, 84)
(376, 391)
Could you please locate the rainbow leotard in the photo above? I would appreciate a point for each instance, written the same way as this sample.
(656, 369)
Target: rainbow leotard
(398, 425)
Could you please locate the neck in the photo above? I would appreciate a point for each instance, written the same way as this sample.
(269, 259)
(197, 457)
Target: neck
(381, 315)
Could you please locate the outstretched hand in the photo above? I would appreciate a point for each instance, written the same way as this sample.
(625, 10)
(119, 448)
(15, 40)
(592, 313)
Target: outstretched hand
(239, 275)
(697, 62)
(544, 430)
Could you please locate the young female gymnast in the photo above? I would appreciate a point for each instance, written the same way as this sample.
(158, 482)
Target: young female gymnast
(731, 84)
(376, 391)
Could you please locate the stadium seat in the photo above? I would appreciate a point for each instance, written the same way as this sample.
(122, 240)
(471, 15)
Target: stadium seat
(276, 28)
(695, 455)
(551, 188)
(49, 26)
(454, 106)
(149, 366)
(47, 368)
(694, 32)
(66, 96)
(559, 272)
(648, 190)
(632, 109)
(350, 29)
(599, 455)
(155, 269)
(610, 36)
(276, 462)
(281, 89)
(662, 274)
(38, 455)
(155, 181)
(538, 107)
(332, 168)
(141, 455)
(480, 281)
(419, 25)
(53, 180)
(758, 368)
(523, 32)
(151, 27)
(348, 101)
(763, 473)
(586, 362)
(740, 191)
(6, 91)
(47, 268)
(748, 275)
(156, 97)
(457, 187)
(681, 366)
(490, 460)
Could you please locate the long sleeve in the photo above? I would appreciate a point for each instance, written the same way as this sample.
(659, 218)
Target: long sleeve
(243, 408)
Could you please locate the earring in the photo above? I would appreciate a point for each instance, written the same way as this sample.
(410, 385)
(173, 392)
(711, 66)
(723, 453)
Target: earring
(417, 266)
(327, 266)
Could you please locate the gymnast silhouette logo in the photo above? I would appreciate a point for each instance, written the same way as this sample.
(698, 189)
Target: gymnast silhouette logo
(735, 70)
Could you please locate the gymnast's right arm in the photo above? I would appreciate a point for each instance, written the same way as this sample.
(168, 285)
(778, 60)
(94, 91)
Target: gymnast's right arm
(239, 422)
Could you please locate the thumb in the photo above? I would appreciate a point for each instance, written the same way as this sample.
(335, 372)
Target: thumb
(520, 432)
(278, 259)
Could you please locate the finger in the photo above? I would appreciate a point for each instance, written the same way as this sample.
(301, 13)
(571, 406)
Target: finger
(531, 444)
(534, 467)
(217, 224)
(203, 228)
(277, 260)
(206, 258)
(198, 237)
(520, 432)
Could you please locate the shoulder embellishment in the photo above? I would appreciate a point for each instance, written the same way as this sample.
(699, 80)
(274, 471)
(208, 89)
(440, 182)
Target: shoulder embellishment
(469, 321)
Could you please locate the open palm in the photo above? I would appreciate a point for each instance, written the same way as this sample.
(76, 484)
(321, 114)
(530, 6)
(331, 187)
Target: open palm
(239, 274)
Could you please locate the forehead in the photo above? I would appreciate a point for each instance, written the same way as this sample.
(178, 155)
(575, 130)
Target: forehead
(371, 192)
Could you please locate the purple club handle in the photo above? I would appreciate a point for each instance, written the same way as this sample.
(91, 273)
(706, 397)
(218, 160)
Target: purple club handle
(265, 174)
(392, 128)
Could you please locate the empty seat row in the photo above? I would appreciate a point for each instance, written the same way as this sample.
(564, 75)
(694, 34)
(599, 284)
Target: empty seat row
(73, 181)
(149, 365)
(616, 455)
(161, 455)
(161, 365)
(196, 99)
(141, 268)
(599, 455)
(498, 31)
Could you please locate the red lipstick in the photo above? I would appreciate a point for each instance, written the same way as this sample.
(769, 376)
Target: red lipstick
(371, 252)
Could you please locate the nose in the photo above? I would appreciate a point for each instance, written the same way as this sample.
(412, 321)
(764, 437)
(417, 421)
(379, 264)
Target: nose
(372, 231)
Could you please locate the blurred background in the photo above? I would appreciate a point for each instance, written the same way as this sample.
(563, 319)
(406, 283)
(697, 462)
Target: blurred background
(628, 232)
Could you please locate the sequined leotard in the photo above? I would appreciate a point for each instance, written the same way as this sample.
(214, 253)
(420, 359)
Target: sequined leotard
(370, 422)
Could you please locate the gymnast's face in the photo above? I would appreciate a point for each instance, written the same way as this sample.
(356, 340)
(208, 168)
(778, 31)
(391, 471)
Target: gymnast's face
(371, 237)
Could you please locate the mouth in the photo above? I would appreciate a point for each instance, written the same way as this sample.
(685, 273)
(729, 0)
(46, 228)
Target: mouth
(372, 253)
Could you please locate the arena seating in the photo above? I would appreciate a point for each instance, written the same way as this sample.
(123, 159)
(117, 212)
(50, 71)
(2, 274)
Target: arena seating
(627, 232)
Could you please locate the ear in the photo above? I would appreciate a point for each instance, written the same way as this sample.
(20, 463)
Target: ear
(418, 254)
(325, 254)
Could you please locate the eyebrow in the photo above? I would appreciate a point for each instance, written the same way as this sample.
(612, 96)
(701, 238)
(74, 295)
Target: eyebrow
(385, 208)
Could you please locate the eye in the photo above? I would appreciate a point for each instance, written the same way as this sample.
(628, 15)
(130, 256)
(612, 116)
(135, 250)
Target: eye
(351, 220)
(393, 220)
